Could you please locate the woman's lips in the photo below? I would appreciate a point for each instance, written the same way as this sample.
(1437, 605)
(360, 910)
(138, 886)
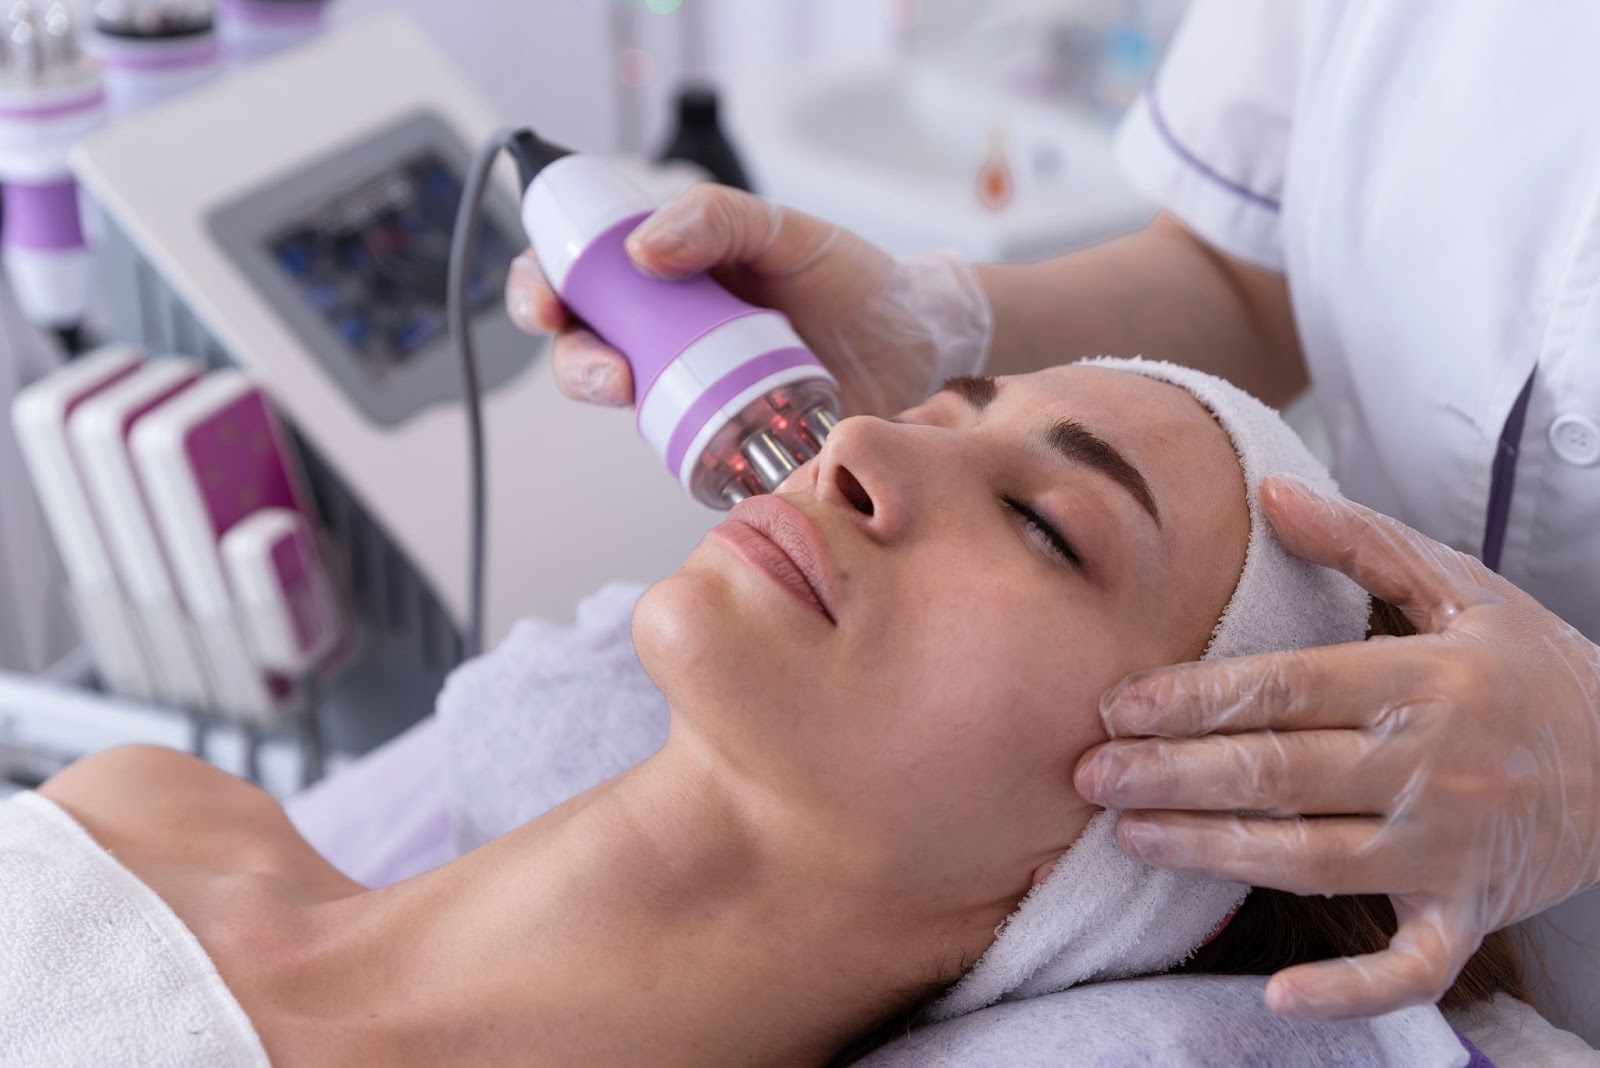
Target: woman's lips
(777, 538)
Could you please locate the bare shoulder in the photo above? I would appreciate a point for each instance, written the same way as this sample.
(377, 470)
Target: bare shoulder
(148, 782)
(156, 806)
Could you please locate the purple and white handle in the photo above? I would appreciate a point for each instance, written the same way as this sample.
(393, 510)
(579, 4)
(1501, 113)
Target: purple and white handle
(702, 359)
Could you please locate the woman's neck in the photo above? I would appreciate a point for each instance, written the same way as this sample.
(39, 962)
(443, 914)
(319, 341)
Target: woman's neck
(662, 917)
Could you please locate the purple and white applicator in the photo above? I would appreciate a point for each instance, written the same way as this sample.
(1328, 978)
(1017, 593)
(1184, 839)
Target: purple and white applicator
(51, 94)
(153, 50)
(727, 393)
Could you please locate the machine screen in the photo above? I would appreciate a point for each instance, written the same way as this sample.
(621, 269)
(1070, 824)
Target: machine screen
(373, 261)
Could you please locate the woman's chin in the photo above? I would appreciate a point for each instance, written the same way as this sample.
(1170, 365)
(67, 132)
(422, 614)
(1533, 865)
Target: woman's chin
(686, 631)
(706, 641)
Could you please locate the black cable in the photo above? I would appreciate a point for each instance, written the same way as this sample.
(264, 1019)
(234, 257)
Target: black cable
(463, 253)
(532, 155)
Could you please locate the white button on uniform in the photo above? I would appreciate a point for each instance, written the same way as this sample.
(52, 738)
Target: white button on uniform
(1576, 439)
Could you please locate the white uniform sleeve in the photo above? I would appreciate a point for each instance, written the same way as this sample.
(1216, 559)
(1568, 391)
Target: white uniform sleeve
(1209, 139)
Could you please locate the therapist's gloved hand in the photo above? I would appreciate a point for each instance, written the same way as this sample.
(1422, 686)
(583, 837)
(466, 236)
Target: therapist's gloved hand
(890, 330)
(1457, 771)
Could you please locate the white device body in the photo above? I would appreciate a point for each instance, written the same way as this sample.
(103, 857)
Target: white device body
(558, 528)
(177, 495)
(100, 430)
(143, 72)
(40, 417)
(52, 286)
(282, 591)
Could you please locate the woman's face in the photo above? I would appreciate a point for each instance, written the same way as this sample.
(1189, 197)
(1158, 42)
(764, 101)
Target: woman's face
(984, 567)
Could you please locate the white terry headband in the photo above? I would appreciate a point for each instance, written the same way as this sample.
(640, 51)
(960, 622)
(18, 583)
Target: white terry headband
(1102, 914)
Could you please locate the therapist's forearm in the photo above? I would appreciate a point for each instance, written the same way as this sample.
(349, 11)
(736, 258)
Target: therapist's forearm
(1160, 292)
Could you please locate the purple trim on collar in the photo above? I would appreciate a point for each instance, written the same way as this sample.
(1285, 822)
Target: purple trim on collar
(192, 54)
(1260, 200)
(721, 392)
(88, 102)
(308, 13)
(1503, 479)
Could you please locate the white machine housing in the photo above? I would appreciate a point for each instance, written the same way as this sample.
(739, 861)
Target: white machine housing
(574, 499)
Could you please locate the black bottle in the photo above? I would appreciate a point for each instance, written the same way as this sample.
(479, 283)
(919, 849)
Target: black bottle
(699, 139)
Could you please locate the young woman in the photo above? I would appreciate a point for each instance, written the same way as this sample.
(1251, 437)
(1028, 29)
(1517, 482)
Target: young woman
(880, 680)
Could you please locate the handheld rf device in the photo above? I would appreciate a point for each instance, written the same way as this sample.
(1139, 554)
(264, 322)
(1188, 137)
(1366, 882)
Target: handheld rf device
(99, 431)
(313, 254)
(40, 416)
(154, 49)
(728, 395)
(50, 96)
(209, 459)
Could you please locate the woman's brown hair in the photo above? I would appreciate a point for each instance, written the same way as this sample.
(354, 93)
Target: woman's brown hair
(1274, 930)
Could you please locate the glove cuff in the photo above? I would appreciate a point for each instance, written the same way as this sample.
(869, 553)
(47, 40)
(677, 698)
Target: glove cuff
(941, 291)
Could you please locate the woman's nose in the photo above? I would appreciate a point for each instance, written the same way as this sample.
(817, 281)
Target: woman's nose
(871, 468)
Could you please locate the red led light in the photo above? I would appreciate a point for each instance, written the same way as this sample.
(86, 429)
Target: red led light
(739, 464)
(780, 423)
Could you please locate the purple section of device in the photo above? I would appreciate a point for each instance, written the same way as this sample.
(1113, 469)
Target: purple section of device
(177, 387)
(238, 457)
(185, 54)
(724, 390)
(43, 218)
(291, 558)
(96, 389)
(304, 13)
(649, 320)
(56, 109)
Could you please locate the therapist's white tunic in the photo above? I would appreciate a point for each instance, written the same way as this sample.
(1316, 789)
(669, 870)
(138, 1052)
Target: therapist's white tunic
(1426, 173)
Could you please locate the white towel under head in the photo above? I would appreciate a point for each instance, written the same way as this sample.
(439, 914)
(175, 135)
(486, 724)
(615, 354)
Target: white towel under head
(1102, 914)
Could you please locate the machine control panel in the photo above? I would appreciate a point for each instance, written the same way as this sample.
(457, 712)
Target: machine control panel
(353, 252)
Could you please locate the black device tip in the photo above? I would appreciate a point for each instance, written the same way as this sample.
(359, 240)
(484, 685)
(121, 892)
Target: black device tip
(698, 104)
(533, 154)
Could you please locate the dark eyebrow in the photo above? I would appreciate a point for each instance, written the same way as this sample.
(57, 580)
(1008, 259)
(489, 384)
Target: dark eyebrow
(1081, 445)
(1074, 441)
(978, 392)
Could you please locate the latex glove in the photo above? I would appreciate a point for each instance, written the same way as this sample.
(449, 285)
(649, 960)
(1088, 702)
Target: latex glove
(890, 330)
(1457, 771)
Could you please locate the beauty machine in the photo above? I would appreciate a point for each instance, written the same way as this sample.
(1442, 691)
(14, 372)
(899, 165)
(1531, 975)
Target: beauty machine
(310, 248)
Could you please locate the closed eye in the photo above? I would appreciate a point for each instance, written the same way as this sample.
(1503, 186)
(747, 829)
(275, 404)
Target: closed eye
(1044, 533)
